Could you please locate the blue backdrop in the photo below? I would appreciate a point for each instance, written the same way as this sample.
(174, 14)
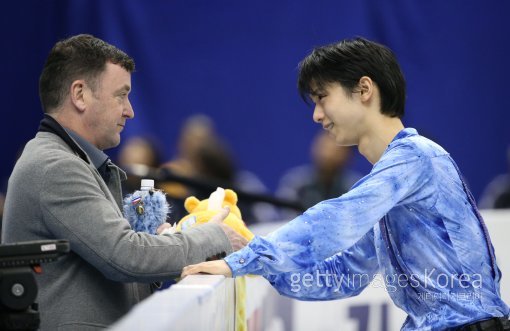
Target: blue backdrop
(236, 61)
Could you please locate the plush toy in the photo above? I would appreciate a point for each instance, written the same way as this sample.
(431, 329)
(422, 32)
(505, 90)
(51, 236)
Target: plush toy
(201, 212)
(147, 208)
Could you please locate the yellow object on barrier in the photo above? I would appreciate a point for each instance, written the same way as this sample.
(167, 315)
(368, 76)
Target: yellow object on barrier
(200, 212)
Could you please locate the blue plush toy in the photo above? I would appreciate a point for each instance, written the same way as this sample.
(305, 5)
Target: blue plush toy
(147, 208)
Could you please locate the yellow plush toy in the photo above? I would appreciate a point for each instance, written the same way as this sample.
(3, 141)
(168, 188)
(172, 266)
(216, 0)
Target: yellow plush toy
(201, 212)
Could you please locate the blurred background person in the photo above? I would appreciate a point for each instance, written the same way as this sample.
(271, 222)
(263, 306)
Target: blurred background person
(327, 176)
(202, 154)
(136, 155)
(194, 131)
(497, 193)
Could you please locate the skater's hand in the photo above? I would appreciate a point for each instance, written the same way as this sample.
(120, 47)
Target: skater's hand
(218, 267)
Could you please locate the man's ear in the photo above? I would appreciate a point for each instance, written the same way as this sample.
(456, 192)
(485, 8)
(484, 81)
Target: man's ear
(366, 87)
(77, 93)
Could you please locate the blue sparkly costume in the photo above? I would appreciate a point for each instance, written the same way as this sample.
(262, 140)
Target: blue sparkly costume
(411, 220)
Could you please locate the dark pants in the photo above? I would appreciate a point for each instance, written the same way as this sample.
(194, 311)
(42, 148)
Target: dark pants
(493, 324)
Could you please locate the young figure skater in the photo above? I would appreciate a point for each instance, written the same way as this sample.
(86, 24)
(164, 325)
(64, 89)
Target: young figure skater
(412, 219)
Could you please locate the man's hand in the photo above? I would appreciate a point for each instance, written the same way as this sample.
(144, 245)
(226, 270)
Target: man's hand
(163, 228)
(218, 267)
(236, 240)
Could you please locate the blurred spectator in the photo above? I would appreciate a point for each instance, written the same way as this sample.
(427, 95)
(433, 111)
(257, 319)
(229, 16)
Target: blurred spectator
(194, 131)
(202, 154)
(140, 150)
(497, 193)
(135, 155)
(328, 175)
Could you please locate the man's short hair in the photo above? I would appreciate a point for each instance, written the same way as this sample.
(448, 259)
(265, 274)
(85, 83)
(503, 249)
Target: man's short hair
(79, 57)
(349, 60)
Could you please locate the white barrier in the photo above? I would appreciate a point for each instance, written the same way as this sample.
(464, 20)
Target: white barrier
(207, 302)
(200, 302)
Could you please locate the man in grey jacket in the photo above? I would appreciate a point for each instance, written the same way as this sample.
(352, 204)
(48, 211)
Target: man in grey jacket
(64, 187)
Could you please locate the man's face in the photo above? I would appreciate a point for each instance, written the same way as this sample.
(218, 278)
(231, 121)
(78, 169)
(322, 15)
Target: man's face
(109, 107)
(338, 113)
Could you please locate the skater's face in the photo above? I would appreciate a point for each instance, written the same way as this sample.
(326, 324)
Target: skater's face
(339, 112)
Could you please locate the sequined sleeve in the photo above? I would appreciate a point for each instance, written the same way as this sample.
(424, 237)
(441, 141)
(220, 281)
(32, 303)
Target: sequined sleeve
(401, 176)
(342, 275)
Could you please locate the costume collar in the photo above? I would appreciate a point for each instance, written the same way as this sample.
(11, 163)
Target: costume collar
(404, 133)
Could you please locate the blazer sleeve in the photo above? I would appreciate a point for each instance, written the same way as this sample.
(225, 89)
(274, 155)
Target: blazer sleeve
(75, 208)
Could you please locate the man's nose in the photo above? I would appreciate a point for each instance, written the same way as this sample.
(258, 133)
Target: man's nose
(128, 111)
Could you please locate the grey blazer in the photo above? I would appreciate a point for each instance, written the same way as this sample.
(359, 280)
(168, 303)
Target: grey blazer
(55, 194)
